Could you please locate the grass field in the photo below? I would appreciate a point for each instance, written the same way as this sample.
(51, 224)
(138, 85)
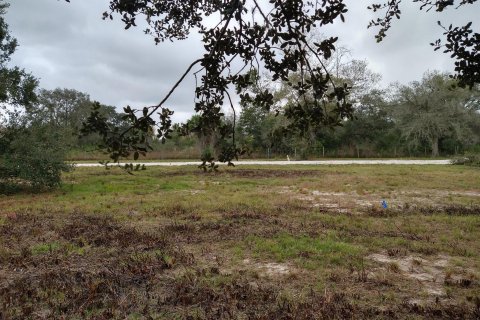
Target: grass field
(261, 243)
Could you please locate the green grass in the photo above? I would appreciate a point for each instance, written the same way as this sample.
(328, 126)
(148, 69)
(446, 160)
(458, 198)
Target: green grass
(306, 251)
(42, 248)
(51, 247)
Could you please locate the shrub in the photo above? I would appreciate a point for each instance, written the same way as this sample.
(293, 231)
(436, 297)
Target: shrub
(34, 157)
(469, 159)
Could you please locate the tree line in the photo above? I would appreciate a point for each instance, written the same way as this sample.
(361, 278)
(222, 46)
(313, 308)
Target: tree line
(430, 117)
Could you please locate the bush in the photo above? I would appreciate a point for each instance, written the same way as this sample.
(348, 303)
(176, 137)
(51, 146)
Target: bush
(469, 159)
(32, 157)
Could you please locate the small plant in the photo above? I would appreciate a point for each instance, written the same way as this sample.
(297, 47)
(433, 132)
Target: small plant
(393, 267)
(362, 272)
(416, 262)
(469, 159)
(393, 252)
(208, 161)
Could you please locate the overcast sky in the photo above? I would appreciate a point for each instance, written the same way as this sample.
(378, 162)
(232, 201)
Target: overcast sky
(70, 46)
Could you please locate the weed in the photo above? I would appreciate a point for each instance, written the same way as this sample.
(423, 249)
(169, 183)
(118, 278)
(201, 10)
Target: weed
(393, 267)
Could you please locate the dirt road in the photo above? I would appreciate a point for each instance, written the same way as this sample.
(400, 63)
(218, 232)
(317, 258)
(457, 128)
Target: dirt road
(307, 162)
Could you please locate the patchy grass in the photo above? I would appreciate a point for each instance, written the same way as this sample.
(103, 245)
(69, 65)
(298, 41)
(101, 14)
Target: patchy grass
(41, 248)
(275, 242)
(306, 251)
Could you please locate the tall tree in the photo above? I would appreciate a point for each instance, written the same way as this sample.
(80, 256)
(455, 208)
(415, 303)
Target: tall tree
(435, 108)
(28, 151)
(371, 125)
(17, 87)
(66, 108)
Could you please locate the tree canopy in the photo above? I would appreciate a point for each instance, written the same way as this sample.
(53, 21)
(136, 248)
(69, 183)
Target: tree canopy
(435, 108)
(17, 87)
(271, 36)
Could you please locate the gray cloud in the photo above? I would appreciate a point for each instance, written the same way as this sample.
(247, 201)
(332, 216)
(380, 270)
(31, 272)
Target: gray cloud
(69, 45)
(405, 54)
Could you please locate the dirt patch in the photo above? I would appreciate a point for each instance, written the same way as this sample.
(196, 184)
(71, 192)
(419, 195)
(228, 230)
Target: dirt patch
(325, 201)
(403, 203)
(195, 192)
(328, 194)
(248, 173)
(268, 173)
(269, 269)
(431, 274)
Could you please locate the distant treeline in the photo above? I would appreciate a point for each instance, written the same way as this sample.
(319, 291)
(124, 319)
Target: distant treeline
(431, 117)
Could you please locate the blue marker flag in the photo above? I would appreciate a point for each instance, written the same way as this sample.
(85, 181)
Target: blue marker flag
(384, 204)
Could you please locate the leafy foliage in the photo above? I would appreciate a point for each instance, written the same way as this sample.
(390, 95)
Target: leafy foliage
(464, 46)
(35, 155)
(436, 108)
(16, 85)
(469, 159)
(65, 108)
(461, 42)
(404, 120)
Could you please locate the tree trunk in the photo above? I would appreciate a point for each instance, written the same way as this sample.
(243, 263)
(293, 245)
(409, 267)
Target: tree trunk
(434, 147)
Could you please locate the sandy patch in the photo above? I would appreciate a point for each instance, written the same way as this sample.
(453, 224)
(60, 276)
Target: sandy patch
(269, 269)
(328, 194)
(430, 274)
(353, 202)
(332, 201)
(194, 192)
